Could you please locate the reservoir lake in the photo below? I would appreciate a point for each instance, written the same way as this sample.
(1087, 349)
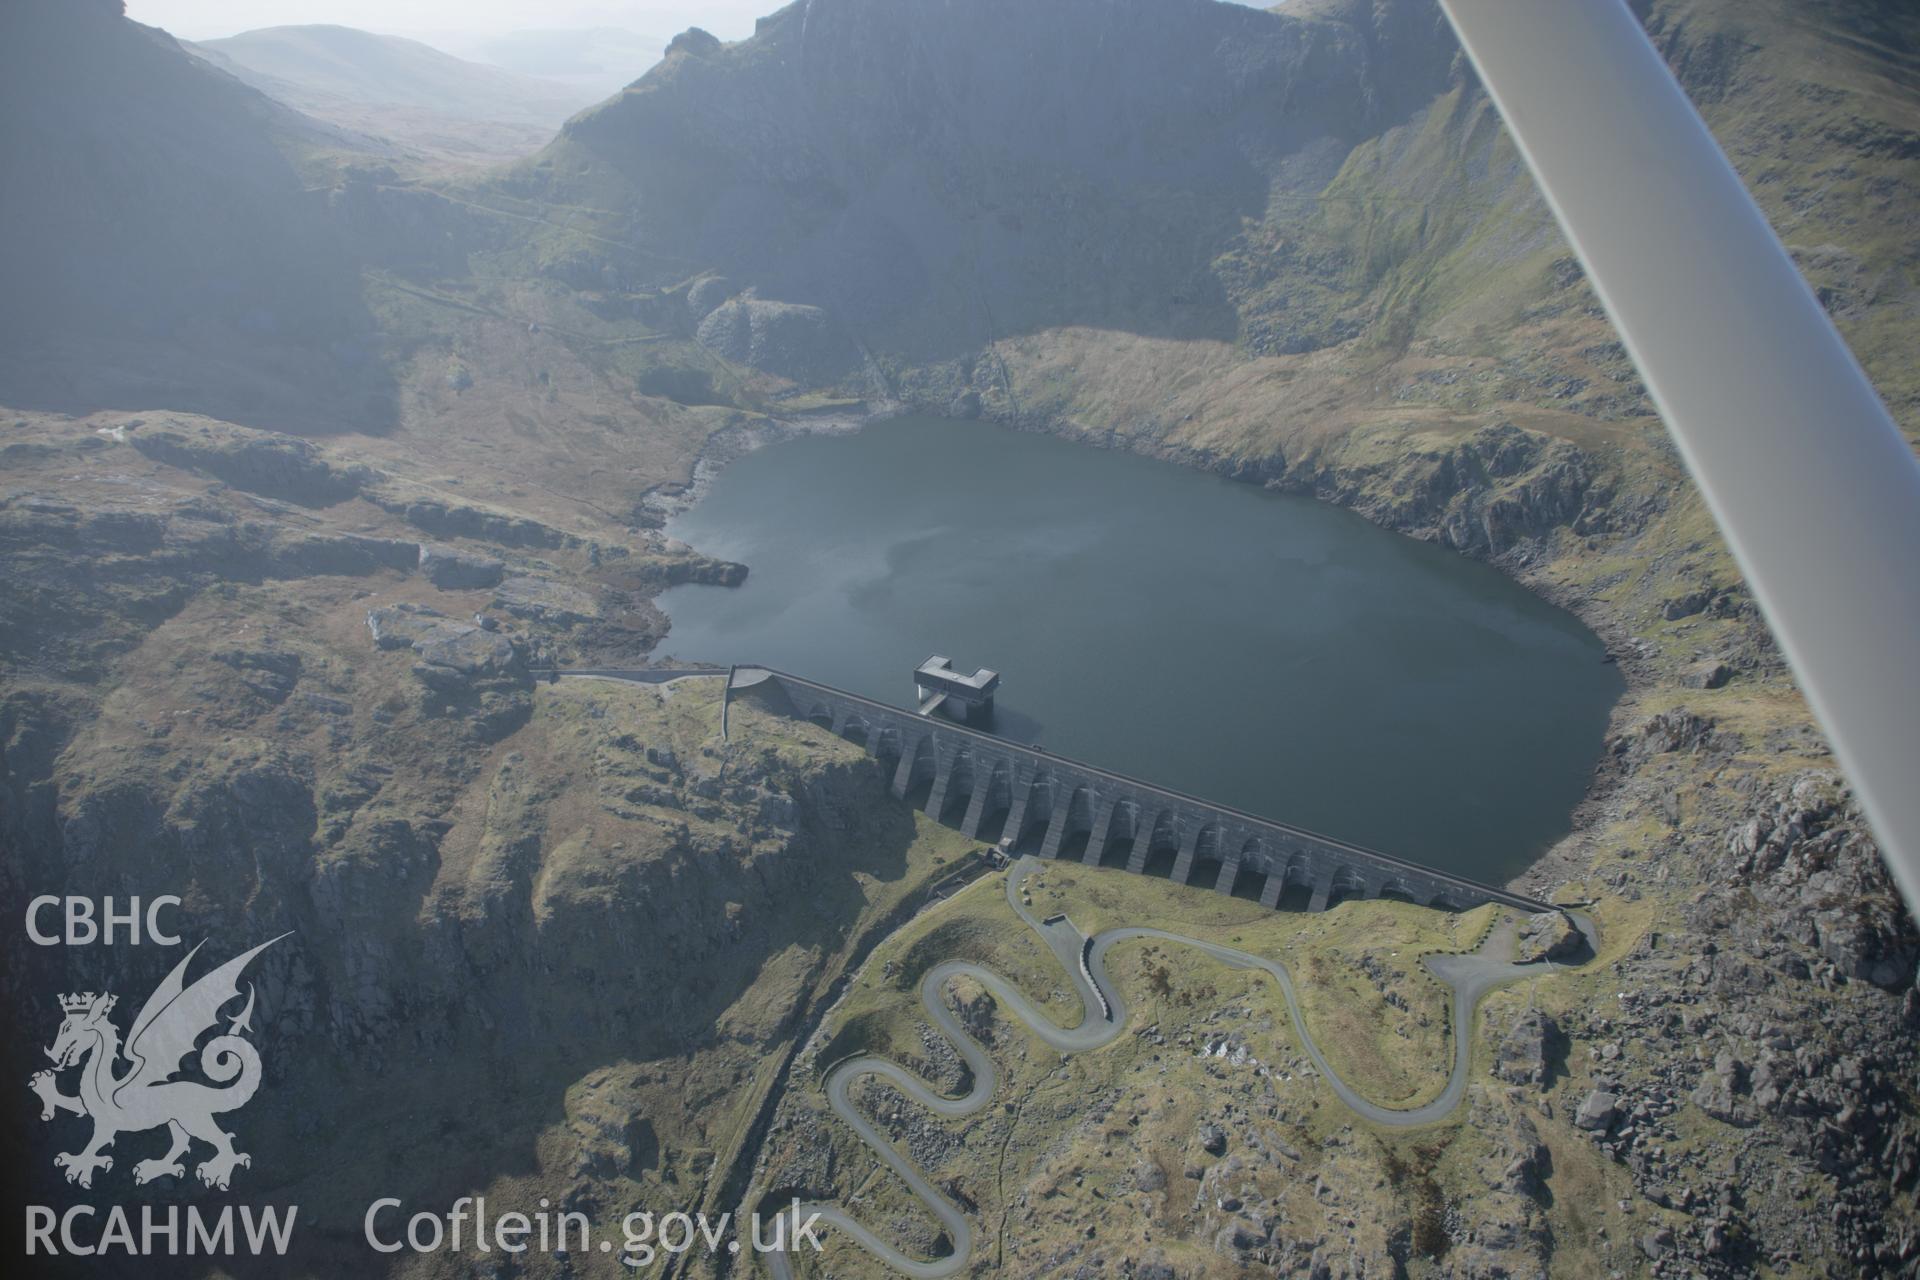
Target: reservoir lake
(1261, 650)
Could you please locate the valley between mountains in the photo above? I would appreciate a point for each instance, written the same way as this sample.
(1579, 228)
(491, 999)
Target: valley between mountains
(288, 411)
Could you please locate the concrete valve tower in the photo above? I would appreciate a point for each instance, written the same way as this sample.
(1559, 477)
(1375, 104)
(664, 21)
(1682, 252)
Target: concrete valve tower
(939, 688)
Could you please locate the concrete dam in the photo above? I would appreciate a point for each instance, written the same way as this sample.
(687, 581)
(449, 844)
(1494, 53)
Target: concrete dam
(1043, 802)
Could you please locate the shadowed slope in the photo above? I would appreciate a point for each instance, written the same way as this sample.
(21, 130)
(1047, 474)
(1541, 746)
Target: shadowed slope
(149, 202)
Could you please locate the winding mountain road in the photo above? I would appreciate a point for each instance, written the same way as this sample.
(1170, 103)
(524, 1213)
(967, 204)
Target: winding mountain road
(1470, 977)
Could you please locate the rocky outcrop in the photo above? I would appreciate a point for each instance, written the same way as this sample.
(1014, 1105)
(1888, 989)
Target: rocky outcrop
(463, 520)
(266, 463)
(1550, 935)
(544, 600)
(793, 341)
(1718, 1093)
(1709, 675)
(976, 1008)
(403, 227)
(1675, 730)
(694, 43)
(455, 569)
(1808, 859)
(1528, 1052)
(1484, 495)
(1598, 1111)
(94, 569)
(1775, 1015)
(1507, 1232)
(406, 626)
(706, 295)
(270, 673)
(464, 654)
(471, 673)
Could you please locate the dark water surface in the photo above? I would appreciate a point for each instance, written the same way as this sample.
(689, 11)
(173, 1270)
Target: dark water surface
(1267, 652)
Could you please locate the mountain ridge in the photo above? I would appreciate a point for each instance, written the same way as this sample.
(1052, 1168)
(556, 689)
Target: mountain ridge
(818, 174)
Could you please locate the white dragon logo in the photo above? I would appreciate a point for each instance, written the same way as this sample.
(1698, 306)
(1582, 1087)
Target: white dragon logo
(145, 1096)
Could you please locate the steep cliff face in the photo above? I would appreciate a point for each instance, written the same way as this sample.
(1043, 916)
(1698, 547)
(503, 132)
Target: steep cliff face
(938, 175)
(269, 678)
(151, 207)
(944, 183)
(145, 190)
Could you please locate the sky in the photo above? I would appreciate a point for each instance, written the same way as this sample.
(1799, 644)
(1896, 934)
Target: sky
(209, 19)
(425, 19)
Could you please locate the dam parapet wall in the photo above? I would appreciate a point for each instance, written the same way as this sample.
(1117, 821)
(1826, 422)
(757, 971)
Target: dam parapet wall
(1040, 802)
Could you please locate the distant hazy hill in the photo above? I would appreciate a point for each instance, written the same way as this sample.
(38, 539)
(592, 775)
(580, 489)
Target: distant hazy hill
(400, 89)
(599, 60)
(317, 66)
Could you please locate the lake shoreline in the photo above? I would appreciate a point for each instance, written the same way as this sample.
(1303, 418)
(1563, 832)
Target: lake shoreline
(1568, 858)
(1489, 811)
(736, 440)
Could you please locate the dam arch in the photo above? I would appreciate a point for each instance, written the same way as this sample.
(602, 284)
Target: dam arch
(973, 779)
